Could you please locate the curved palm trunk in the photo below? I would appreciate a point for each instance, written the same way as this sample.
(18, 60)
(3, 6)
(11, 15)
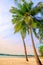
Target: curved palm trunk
(35, 52)
(25, 48)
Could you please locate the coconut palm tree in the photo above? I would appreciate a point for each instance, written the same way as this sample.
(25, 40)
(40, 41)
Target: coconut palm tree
(26, 12)
(32, 22)
(21, 27)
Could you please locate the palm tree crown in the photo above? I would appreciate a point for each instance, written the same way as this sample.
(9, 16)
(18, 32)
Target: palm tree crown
(25, 20)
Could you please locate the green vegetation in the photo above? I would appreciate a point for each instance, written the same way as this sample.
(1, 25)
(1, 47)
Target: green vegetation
(41, 50)
(25, 21)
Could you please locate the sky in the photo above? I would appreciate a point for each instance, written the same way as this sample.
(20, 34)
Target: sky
(11, 43)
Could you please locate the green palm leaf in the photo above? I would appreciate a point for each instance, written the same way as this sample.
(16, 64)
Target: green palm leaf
(37, 9)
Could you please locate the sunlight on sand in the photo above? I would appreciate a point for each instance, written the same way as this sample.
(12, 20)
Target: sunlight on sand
(18, 61)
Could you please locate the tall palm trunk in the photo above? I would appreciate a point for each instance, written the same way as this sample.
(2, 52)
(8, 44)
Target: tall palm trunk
(24, 48)
(35, 52)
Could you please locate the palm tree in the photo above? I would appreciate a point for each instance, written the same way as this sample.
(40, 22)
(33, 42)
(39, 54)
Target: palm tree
(21, 27)
(23, 34)
(31, 25)
(35, 52)
(26, 14)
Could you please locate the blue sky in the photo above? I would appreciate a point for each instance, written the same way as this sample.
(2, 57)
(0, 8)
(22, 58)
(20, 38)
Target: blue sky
(9, 42)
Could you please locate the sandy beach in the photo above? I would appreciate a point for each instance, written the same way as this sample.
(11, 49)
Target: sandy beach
(18, 61)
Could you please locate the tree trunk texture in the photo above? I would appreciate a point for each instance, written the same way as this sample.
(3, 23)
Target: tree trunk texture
(35, 52)
(25, 49)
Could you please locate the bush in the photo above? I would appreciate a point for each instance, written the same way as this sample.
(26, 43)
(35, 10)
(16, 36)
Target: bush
(41, 50)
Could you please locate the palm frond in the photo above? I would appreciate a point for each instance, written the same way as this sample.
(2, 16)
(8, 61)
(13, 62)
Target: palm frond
(16, 11)
(36, 35)
(37, 9)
